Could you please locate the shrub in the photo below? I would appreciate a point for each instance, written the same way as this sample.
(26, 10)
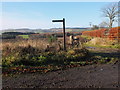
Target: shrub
(29, 50)
(52, 39)
(30, 56)
(116, 46)
(77, 54)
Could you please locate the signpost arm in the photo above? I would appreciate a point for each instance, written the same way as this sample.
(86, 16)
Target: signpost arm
(64, 42)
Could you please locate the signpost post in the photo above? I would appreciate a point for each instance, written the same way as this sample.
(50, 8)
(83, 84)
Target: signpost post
(64, 43)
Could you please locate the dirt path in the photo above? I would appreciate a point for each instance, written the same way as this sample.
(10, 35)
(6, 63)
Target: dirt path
(92, 76)
(105, 52)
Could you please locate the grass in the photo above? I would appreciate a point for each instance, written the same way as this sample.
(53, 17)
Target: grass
(37, 43)
(31, 60)
(17, 56)
(117, 46)
(24, 57)
(24, 36)
(86, 37)
(102, 43)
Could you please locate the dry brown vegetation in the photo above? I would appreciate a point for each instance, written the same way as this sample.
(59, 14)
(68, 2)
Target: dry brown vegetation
(38, 43)
(102, 41)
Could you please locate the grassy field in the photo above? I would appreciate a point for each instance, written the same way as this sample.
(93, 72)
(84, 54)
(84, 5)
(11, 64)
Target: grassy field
(24, 36)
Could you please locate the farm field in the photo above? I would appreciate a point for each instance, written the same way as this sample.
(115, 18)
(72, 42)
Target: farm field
(24, 36)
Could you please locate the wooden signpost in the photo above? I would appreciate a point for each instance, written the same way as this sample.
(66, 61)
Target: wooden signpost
(64, 43)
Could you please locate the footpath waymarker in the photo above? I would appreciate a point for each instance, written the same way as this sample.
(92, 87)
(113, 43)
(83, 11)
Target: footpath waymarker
(64, 43)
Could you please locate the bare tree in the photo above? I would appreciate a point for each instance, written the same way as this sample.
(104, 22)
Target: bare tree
(111, 12)
(103, 24)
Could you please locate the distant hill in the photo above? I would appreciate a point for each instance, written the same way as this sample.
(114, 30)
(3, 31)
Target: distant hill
(25, 30)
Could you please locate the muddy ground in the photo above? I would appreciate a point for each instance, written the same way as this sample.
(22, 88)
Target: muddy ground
(92, 76)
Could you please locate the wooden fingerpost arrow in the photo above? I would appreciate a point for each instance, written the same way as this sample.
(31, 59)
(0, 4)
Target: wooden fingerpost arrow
(64, 43)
